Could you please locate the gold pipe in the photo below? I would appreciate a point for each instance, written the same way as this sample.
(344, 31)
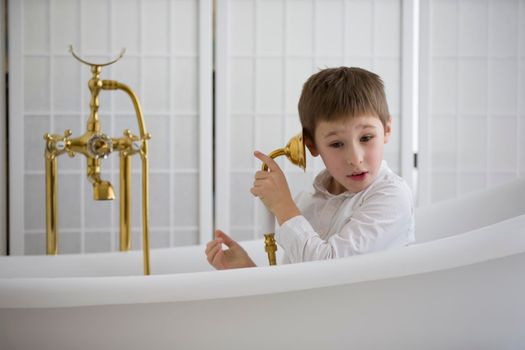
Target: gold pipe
(296, 153)
(115, 85)
(125, 202)
(145, 211)
(51, 204)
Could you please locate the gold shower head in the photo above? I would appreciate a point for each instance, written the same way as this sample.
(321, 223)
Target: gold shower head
(294, 150)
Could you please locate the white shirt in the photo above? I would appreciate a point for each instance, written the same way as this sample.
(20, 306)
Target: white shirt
(333, 226)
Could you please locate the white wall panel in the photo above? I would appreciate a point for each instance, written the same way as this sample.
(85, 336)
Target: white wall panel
(472, 87)
(170, 69)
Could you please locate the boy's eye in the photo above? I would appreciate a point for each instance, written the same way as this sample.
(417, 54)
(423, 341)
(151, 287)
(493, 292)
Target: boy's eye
(336, 144)
(366, 138)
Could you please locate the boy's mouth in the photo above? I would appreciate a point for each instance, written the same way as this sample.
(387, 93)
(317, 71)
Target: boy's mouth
(358, 176)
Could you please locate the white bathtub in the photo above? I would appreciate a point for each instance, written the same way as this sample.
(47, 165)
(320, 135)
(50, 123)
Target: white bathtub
(465, 291)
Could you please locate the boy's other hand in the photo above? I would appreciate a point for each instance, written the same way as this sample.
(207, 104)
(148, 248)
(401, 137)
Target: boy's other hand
(272, 189)
(233, 257)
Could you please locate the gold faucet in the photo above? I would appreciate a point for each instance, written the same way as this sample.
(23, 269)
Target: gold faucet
(95, 146)
(296, 153)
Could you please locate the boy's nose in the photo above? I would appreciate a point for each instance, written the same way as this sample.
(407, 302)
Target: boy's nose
(354, 157)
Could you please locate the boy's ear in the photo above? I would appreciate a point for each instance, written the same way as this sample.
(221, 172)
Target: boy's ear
(310, 144)
(388, 129)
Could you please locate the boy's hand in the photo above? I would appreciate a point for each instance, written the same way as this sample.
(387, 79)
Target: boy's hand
(232, 258)
(272, 189)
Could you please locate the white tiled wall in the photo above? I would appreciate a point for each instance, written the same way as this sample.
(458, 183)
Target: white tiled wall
(48, 93)
(473, 95)
(265, 51)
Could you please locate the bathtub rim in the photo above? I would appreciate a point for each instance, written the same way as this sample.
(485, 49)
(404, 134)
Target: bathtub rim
(492, 242)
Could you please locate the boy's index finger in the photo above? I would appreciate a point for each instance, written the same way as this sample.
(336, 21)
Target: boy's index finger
(270, 163)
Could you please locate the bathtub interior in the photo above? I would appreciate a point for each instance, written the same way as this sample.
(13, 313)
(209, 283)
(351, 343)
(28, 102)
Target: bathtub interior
(471, 211)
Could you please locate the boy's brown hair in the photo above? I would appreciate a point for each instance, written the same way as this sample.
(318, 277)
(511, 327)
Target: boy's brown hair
(335, 93)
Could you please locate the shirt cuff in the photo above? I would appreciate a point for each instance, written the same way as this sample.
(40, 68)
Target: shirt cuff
(294, 233)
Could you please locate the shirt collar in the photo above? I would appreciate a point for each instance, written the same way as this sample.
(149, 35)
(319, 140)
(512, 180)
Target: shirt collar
(323, 179)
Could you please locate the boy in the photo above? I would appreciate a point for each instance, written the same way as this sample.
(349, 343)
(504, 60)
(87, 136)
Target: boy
(358, 204)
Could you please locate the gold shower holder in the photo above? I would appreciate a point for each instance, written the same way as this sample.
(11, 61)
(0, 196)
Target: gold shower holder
(295, 152)
(96, 146)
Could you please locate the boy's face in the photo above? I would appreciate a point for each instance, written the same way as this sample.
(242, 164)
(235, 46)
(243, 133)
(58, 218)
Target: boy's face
(351, 149)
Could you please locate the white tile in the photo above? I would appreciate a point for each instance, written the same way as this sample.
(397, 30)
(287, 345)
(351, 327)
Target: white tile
(36, 84)
(186, 237)
(444, 28)
(299, 27)
(96, 242)
(185, 82)
(297, 72)
(34, 145)
(359, 22)
(36, 26)
(34, 244)
(500, 178)
(243, 234)
(62, 123)
(185, 136)
(65, 29)
(470, 182)
(126, 14)
(66, 84)
(521, 143)
(521, 87)
(159, 192)
(34, 202)
(390, 72)
(473, 86)
(365, 63)
(270, 27)
(69, 199)
(270, 135)
(472, 139)
(473, 31)
(186, 200)
(126, 71)
(184, 22)
(95, 27)
(99, 214)
(443, 186)
(387, 31)
(502, 86)
(503, 144)
(69, 243)
(269, 85)
(159, 150)
(241, 27)
(241, 200)
(443, 86)
(443, 135)
(242, 85)
(242, 144)
(159, 239)
(329, 28)
(155, 26)
(521, 24)
(155, 92)
(504, 17)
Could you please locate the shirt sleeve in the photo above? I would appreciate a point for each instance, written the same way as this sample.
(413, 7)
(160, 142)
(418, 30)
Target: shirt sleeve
(384, 220)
